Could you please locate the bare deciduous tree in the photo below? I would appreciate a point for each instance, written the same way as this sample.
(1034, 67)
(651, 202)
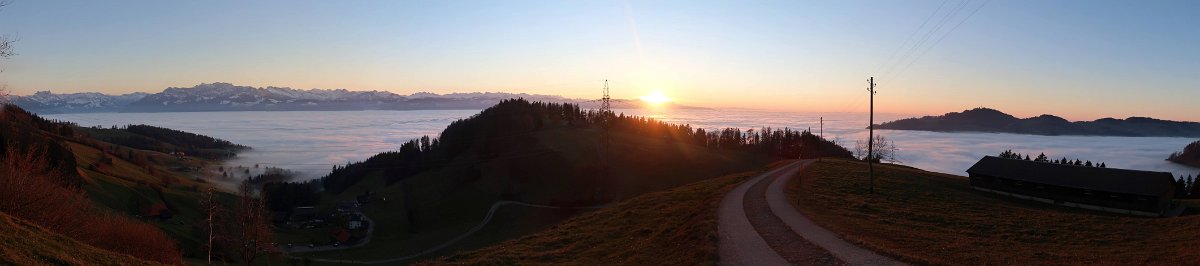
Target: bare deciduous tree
(28, 189)
(246, 229)
(6, 51)
(32, 190)
(6, 44)
(884, 150)
(5, 40)
(211, 208)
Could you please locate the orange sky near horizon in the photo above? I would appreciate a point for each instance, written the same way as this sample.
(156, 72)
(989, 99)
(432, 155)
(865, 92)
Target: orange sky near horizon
(1081, 60)
(899, 100)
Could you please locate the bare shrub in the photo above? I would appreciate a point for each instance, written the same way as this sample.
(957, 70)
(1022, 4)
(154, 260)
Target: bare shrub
(30, 189)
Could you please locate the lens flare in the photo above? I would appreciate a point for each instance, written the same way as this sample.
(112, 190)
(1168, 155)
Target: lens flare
(655, 98)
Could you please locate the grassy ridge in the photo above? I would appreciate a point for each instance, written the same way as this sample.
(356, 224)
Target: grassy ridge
(28, 244)
(932, 218)
(673, 227)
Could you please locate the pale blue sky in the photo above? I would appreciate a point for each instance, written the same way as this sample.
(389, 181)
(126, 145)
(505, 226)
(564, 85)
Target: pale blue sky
(1079, 59)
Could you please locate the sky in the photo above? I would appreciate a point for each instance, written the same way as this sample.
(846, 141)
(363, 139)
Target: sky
(1081, 60)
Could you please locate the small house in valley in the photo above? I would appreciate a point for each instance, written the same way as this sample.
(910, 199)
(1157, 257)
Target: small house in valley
(1123, 191)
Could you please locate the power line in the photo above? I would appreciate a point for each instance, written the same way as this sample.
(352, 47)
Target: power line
(924, 38)
(910, 37)
(939, 40)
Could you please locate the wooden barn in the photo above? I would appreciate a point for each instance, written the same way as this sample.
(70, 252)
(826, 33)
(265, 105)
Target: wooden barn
(1104, 189)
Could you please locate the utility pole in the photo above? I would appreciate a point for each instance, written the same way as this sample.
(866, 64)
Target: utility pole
(822, 139)
(871, 137)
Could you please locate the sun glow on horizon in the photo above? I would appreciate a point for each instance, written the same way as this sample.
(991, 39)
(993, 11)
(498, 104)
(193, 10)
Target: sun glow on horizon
(655, 98)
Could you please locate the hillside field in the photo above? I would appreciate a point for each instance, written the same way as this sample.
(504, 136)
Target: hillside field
(931, 218)
(23, 243)
(672, 227)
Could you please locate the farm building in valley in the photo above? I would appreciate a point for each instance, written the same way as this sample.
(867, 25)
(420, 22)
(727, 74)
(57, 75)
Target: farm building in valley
(1104, 189)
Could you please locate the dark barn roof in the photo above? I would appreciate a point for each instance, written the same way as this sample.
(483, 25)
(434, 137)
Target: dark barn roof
(1124, 181)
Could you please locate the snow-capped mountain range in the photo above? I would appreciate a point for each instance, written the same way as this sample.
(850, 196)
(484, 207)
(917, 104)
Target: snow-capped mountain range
(75, 102)
(229, 97)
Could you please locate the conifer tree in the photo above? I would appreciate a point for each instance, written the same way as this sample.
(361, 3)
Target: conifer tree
(1190, 185)
(1180, 187)
(1194, 190)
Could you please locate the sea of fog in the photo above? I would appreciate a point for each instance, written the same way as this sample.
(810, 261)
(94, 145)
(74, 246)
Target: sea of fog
(311, 142)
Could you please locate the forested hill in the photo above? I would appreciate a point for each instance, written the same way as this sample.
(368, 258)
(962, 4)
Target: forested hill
(166, 140)
(990, 120)
(1189, 156)
(514, 124)
(533, 152)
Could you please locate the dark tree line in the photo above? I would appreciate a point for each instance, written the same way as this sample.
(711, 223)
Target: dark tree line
(167, 140)
(1189, 156)
(1187, 187)
(182, 139)
(27, 132)
(283, 196)
(1009, 154)
(511, 122)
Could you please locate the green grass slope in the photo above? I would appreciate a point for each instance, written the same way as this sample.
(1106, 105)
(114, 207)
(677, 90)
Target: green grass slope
(23, 243)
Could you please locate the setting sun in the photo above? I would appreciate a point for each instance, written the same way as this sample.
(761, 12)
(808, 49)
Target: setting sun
(655, 98)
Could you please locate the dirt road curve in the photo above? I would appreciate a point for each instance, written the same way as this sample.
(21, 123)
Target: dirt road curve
(758, 226)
